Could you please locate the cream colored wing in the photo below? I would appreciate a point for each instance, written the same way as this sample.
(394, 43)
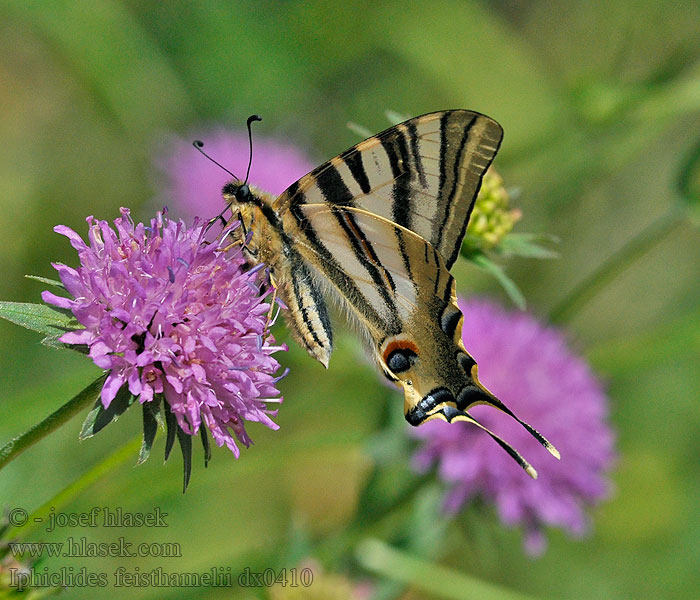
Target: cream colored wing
(423, 174)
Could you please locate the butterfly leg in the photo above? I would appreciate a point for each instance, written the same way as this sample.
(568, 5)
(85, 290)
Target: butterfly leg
(232, 245)
(211, 222)
(247, 236)
(219, 217)
(273, 284)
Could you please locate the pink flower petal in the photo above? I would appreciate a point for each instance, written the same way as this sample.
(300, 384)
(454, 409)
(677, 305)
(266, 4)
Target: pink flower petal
(112, 385)
(81, 336)
(60, 301)
(75, 240)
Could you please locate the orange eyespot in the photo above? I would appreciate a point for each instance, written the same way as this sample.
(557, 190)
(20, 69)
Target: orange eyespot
(399, 345)
(399, 355)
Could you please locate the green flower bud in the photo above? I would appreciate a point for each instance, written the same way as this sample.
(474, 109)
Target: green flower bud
(492, 218)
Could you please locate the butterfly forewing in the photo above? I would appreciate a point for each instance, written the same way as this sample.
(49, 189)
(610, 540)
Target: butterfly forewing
(423, 174)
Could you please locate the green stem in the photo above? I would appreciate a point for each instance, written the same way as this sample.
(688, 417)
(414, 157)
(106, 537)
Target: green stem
(440, 581)
(607, 271)
(39, 516)
(19, 444)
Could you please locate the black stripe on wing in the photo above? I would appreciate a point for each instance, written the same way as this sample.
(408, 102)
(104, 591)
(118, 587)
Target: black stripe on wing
(310, 304)
(367, 257)
(446, 200)
(332, 186)
(353, 160)
(423, 174)
(396, 148)
(417, 160)
(330, 266)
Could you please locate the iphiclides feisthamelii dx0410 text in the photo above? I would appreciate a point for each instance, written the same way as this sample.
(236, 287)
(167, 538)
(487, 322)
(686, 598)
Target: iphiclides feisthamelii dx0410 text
(377, 229)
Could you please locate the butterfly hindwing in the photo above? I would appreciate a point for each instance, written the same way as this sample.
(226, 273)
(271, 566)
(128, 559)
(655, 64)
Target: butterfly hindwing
(307, 314)
(423, 174)
(397, 287)
(382, 269)
(403, 298)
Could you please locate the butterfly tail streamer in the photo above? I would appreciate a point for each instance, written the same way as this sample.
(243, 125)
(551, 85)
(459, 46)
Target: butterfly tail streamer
(451, 414)
(496, 403)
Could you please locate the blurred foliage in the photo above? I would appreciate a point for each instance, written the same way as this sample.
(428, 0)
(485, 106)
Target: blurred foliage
(600, 103)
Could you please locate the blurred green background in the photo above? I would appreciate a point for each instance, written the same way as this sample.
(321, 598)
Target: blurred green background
(600, 103)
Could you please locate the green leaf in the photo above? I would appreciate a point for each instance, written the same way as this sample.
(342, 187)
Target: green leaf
(526, 245)
(688, 181)
(439, 581)
(172, 427)
(99, 417)
(19, 444)
(185, 441)
(151, 410)
(52, 342)
(205, 444)
(38, 317)
(486, 264)
(47, 281)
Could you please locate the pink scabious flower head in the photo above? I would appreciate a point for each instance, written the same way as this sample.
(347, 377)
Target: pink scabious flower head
(170, 316)
(532, 371)
(193, 184)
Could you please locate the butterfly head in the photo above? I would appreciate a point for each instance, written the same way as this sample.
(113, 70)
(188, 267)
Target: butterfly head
(244, 201)
(237, 191)
(239, 200)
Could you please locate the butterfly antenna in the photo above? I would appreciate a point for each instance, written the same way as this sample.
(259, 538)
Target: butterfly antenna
(198, 144)
(251, 118)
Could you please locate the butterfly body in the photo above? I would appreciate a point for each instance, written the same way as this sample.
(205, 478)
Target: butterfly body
(376, 229)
